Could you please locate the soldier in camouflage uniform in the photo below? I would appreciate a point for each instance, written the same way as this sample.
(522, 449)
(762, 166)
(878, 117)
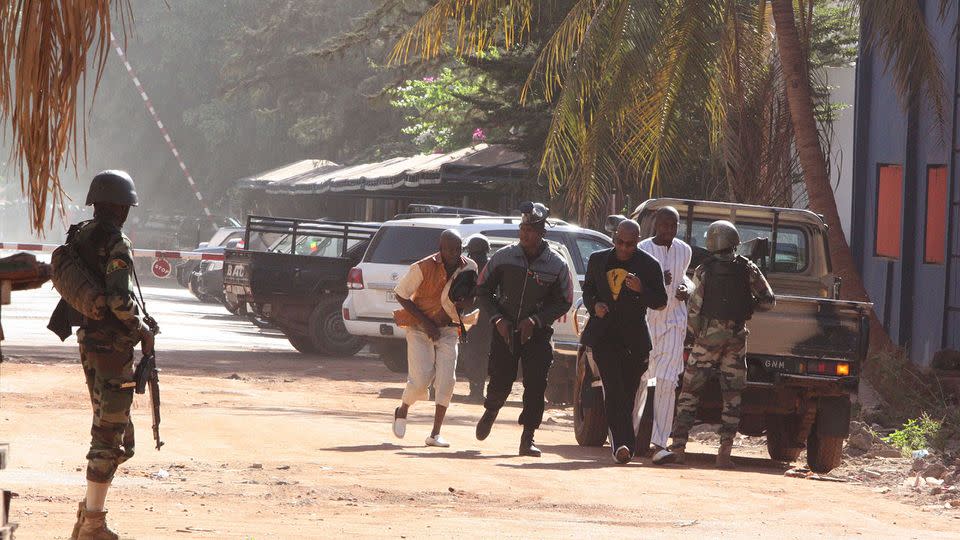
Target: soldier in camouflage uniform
(727, 290)
(107, 345)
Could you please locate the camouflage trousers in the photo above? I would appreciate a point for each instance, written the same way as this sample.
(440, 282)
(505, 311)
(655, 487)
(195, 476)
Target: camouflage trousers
(725, 360)
(109, 375)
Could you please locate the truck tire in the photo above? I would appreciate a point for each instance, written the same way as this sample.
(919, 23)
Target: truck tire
(781, 440)
(327, 330)
(302, 344)
(824, 452)
(589, 417)
(394, 357)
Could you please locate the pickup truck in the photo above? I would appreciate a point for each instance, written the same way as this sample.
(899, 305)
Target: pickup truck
(299, 283)
(804, 357)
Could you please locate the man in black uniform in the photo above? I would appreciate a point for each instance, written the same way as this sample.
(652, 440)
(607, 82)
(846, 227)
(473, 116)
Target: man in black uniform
(620, 284)
(476, 350)
(524, 287)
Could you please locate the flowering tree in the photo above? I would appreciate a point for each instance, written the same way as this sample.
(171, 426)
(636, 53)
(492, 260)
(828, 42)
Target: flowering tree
(442, 111)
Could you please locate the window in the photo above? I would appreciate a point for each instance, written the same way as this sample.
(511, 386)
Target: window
(935, 234)
(889, 211)
(403, 245)
(792, 248)
(587, 245)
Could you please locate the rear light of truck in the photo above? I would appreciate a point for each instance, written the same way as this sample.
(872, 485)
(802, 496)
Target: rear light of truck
(843, 369)
(355, 278)
(346, 314)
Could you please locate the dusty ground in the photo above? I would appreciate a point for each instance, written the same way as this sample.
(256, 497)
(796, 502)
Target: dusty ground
(262, 442)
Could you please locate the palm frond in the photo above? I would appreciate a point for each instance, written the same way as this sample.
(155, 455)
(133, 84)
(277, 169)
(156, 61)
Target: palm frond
(44, 47)
(479, 25)
(898, 30)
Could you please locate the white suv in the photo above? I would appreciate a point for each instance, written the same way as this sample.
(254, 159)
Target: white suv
(368, 309)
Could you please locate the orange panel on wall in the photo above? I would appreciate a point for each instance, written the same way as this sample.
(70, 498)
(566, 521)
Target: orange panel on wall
(936, 231)
(889, 211)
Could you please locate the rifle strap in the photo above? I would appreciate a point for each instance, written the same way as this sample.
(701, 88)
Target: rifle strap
(140, 301)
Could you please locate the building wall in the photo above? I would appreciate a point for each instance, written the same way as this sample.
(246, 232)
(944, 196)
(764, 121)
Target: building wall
(842, 82)
(910, 295)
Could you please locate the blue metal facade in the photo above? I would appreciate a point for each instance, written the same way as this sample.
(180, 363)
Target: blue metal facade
(918, 302)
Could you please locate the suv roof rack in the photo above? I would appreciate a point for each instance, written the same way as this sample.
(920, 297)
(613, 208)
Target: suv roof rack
(425, 208)
(470, 219)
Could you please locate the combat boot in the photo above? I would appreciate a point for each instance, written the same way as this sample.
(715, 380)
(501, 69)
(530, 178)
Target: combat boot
(527, 446)
(723, 455)
(679, 453)
(486, 423)
(94, 527)
(81, 510)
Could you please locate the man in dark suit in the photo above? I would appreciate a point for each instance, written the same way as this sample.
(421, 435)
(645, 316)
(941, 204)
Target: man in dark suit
(621, 284)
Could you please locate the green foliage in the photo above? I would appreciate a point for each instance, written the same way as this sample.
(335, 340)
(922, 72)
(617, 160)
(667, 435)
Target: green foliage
(916, 434)
(440, 114)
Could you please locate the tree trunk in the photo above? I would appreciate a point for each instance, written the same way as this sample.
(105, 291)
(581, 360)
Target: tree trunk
(815, 174)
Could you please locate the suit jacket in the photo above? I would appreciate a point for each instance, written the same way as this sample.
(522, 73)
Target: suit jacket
(630, 310)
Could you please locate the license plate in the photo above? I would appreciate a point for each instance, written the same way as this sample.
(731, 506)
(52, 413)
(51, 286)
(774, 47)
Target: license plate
(236, 270)
(783, 365)
(391, 297)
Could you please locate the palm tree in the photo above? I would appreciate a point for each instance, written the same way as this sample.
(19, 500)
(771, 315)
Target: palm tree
(620, 66)
(44, 48)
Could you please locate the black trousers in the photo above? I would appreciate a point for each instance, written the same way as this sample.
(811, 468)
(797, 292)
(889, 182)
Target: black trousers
(535, 356)
(620, 371)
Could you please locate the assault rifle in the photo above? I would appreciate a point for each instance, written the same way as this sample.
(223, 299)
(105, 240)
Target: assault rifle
(146, 374)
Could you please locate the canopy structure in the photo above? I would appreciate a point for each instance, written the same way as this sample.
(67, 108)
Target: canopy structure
(479, 165)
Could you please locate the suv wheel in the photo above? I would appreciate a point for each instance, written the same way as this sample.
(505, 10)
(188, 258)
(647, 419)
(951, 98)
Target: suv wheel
(327, 330)
(394, 357)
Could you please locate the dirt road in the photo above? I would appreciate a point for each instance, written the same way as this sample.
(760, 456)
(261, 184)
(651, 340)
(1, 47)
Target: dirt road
(262, 442)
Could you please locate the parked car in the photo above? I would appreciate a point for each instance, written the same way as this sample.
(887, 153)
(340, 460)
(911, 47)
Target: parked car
(804, 357)
(299, 283)
(216, 244)
(368, 308)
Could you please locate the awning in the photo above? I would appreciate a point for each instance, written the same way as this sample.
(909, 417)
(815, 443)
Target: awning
(480, 164)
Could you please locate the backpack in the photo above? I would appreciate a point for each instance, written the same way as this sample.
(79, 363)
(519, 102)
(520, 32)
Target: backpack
(78, 284)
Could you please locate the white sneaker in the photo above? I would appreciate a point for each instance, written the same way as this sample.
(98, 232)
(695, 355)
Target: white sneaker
(399, 424)
(663, 457)
(437, 441)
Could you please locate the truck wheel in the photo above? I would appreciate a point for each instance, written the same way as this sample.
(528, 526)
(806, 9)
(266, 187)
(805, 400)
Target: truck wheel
(781, 442)
(302, 344)
(589, 418)
(824, 452)
(394, 357)
(328, 332)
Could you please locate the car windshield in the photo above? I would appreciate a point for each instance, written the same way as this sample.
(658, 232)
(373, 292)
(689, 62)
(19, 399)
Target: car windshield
(403, 245)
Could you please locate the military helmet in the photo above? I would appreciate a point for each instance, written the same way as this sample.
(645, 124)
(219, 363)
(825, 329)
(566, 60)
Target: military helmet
(478, 243)
(721, 235)
(115, 187)
(533, 213)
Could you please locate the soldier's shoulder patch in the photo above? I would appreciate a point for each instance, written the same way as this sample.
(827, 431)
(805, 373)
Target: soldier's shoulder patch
(116, 264)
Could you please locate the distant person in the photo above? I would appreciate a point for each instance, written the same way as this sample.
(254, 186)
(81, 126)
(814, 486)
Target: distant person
(620, 285)
(667, 327)
(476, 351)
(727, 290)
(524, 287)
(106, 346)
(432, 324)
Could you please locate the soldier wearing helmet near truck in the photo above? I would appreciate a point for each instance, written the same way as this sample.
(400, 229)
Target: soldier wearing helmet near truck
(106, 345)
(727, 289)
